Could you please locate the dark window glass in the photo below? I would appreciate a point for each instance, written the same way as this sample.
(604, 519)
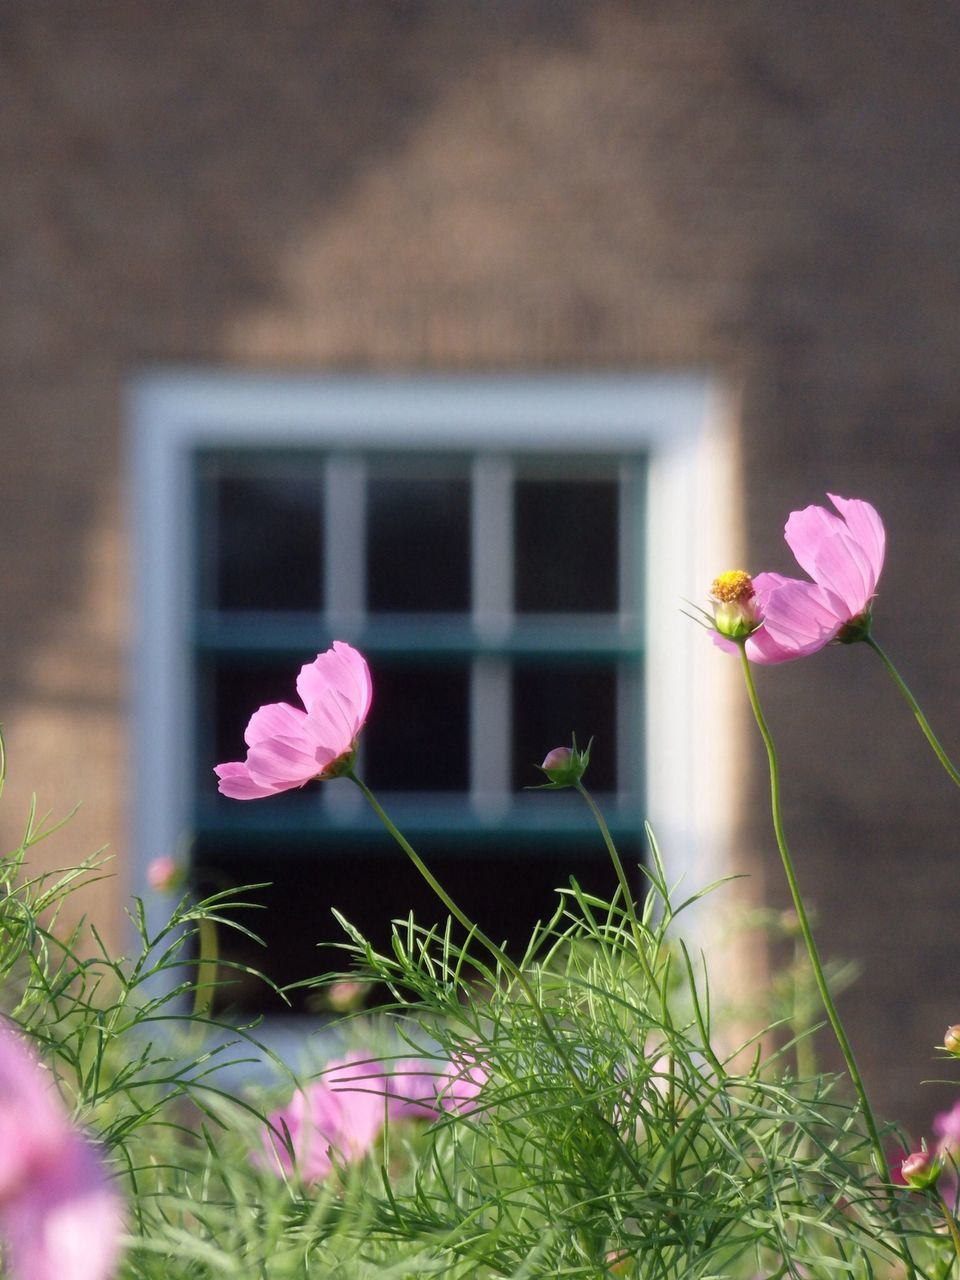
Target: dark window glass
(267, 543)
(417, 738)
(418, 545)
(505, 887)
(552, 702)
(566, 546)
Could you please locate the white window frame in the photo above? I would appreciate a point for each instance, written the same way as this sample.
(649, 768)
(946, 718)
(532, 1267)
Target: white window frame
(684, 425)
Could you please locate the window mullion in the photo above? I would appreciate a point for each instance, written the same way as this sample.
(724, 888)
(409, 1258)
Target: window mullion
(492, 611)
(345, 559)
(345, 542)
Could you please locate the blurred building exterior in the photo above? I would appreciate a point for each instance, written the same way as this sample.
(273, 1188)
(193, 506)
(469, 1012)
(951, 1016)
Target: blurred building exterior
(763, 194)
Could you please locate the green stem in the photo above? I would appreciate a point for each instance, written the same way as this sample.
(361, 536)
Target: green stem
(642, 956)
(879, 1156)
(498, 953)
(501, 958)
(625, 888)
(914, 706)
(206, 981)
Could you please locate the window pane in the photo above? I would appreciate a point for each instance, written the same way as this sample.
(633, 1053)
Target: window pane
(567, 557)
(505, 886)
(418, 545)
(552, 702)
(266, 551)
(417, 738)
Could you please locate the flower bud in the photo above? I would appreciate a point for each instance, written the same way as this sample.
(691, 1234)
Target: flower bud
(921, 1169)
(565, 766)
(164, 875)
(951, 1039)
(736, 613)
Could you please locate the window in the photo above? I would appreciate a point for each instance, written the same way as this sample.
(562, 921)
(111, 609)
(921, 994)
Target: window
(487, 544)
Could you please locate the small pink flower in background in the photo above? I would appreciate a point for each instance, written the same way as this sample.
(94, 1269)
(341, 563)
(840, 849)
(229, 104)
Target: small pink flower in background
(338, 1116)
(843, 554)
(59, 1215)
(288, 747)
(163, 874)
(346, 995)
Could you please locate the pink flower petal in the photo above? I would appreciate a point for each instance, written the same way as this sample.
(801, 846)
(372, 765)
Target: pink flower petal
(843, 568)
(286, 762)
(236, 782)
(865, 525)
(805, 532)
(340, 671)
(801, 617)
(275, 720)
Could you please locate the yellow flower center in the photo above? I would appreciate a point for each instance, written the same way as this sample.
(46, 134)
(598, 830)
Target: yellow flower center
(734, 585)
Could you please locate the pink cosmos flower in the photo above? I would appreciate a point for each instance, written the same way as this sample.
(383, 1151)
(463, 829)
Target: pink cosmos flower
(288, 747)
(338, 1116)
(843, 554)
(59, 1215)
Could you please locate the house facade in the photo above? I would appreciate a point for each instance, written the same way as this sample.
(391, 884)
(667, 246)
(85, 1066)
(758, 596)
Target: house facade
(741, 217)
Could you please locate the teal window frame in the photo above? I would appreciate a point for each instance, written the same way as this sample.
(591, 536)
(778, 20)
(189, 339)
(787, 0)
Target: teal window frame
(678, 424)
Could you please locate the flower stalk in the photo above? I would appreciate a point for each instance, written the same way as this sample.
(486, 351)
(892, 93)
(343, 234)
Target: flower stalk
(914, 706)
(846, 1049)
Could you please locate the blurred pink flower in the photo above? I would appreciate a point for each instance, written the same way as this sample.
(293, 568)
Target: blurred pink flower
(58, 1212)
(288, 747)
(413, 1086)
(946, 1125)
(843, 554)
(460, 1083)
(339, 1115)
(163, 874)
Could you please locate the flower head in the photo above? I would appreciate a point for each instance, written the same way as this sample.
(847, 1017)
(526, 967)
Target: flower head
(951, 1040)
(58, 1212)
(843, 554)
(564, 766)
(735, 611)
(921, 1169)
(288, 747)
